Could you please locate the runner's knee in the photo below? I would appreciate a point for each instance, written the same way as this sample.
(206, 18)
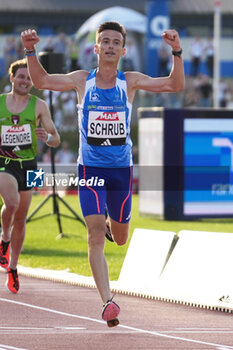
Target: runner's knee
(121, 239)
(11, 206)
(96, 236)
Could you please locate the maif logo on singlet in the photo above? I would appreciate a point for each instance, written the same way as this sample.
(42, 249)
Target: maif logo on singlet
(110, 126)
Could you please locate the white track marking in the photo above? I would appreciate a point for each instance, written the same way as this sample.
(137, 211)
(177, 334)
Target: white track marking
(178, 338)
(51, 310)
(8, 347)
(217, 346)
(204, 328)
(59, 330)
(33, 328)
(197, 332)
(40, 330)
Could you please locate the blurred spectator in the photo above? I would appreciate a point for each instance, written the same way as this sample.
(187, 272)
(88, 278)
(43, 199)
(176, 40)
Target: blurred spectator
(57, 113)
(190, 98)
(204, 89)
(209, 51)
(127, 63)
(61, 44)
(40, 151)
(164, 59)
(55, 97)
(47, 156)
(89, 60)
(229, 95)
(223, 88)
(48, 47)
(7, 88)
(175, 100)
(230, 99)
(69, 110)
(65, 155)
(19, 50)
(135, 154)
(196, 51)
(73, 54)
(69, 102)
(10, 53)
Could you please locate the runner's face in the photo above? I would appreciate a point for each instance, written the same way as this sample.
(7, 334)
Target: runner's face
(110, 46)
(21, 82)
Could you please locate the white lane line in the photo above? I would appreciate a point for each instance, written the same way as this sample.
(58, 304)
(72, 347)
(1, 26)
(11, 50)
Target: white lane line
(197, 332)
(227, 347)
(178, 338)
(8, 347)
(40, 328)
(204, 328)
(54, 329)
(51, 310)
(116, 332)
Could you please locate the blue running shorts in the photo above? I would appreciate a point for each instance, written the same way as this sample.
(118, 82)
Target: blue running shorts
(101, 187)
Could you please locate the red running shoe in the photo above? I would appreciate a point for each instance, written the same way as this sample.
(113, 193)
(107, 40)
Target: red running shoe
(12, 282)
(110, 312)
(4, 254)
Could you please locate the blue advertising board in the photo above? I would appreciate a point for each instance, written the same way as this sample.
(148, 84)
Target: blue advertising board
(198, 163)
(208, 166)
(195, 148)
(158, 21)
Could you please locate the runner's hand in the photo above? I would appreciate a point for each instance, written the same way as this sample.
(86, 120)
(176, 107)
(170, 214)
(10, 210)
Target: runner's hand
(171, 37)
(29, 38)
(41, 134)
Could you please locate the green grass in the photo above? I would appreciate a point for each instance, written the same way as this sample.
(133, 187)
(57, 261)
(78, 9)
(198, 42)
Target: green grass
(43, 249)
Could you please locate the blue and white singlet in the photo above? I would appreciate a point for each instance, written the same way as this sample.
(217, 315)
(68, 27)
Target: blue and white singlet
(104, 125)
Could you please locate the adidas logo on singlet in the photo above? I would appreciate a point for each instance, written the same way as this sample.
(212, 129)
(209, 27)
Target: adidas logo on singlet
(17, 148)
(106, 143)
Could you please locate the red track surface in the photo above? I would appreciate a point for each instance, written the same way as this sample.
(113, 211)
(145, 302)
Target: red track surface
(48, 316)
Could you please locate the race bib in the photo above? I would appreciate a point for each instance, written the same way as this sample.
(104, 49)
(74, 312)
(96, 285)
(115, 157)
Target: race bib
(106, 128)
(16, 137)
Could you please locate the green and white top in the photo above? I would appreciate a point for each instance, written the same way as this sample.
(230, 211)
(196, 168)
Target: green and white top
(18, 139)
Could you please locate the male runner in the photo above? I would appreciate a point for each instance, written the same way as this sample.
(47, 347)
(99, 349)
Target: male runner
(105, 98)
(20, 117)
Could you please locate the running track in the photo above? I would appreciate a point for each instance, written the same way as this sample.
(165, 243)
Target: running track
(45, 315)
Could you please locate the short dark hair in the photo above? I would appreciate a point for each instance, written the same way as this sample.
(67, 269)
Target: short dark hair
(16, 65)
(112, 26)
